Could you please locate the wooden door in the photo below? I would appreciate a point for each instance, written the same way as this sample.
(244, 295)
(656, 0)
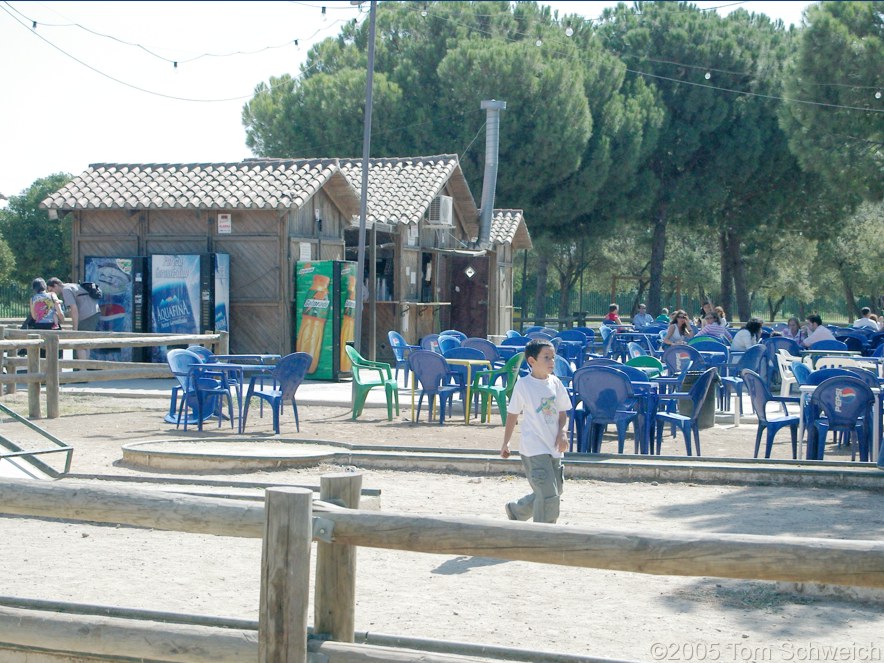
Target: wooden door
(468, 278)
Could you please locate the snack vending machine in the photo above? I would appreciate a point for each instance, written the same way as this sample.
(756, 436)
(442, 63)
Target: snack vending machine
(123, 304)
(325, 307)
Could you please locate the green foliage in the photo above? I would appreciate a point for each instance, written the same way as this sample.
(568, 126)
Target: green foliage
(40, 246)
(838, 66)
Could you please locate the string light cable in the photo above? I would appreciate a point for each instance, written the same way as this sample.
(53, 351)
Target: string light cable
(5, 6)
(526, 36)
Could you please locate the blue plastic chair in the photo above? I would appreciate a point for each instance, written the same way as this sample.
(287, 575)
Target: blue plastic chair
(447, 343)
(433, 373)
(760, 396)
(459, 335)
(573, 345)
(431, 342)
(487, 348)
(846, 403)
(854, 340)
(829, 344)
(675, 356)
(199, 388)
(801, 371)
(634, 350)
(687, 424)
(458, 371)
(287, 376)
(774, 344)
(564, 371)
(754, 360)
(607, 397)
(400, 348)
(512, 333)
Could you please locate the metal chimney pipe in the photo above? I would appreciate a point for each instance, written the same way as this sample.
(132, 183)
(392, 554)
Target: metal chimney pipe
(492, 110)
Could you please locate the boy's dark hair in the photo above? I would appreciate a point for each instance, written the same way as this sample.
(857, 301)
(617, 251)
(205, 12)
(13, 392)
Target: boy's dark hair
(535, 345)
(754, 326)
(814, 318)
(864, 311)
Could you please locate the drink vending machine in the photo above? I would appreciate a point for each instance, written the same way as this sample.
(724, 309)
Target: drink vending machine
(123, 304)
(325, 307)
(189, 294)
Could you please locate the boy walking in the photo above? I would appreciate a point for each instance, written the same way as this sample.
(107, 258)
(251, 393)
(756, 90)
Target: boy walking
(544, 401)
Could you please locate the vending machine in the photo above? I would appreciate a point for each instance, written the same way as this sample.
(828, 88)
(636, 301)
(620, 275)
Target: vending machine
(123, 304)
(325, 307)
(189, 294)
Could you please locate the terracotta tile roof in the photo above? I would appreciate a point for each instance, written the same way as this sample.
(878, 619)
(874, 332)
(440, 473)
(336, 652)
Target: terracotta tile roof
(400, 189)
(508, 227)
(250, 184)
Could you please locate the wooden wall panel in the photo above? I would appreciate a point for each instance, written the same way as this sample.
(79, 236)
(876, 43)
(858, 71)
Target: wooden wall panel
(247, 222)
(258, 328)
(109, 222)
(176, 222)
(254, 268)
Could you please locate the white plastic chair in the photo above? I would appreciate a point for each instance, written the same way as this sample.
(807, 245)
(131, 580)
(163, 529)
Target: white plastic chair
(784, 364)
(835, 362)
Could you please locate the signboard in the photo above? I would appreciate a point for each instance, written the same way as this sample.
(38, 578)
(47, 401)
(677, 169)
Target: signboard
(225, 225)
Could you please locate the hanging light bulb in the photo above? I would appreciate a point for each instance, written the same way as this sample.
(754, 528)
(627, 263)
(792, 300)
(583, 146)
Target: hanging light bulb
(34, 25)
(707, 76)
(878, 94)
(175, 65)
(324, 17)
(539, 42)
(569, 31)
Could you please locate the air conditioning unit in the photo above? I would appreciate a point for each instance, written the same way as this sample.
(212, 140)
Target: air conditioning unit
(441, 211)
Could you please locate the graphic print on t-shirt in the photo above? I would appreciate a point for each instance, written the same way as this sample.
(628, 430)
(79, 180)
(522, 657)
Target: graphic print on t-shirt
(547, 409)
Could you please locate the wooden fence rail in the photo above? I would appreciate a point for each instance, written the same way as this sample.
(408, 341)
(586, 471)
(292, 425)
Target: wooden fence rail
(287, 525)
(50, 371)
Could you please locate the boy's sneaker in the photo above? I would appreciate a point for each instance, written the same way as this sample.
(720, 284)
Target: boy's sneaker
(509, 511)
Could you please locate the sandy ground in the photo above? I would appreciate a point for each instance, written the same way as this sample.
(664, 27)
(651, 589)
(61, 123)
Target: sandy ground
(471, 599)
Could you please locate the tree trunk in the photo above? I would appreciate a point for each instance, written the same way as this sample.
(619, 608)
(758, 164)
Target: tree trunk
(744, 306)
(658, 254)
(564, 297)
(726, 299)
(540, 288)
(774, 307)
(849, 298)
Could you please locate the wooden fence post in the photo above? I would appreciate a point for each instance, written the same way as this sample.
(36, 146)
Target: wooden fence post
(223, 343)
(51, 345)
(34, 387)
(9, 388)
(285, 575)
(334, 608)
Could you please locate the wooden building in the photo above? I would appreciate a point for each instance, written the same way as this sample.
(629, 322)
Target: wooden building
(421, 215)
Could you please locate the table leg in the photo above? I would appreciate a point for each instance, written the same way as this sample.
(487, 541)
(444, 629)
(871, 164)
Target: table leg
(467, 396)
(801, 404)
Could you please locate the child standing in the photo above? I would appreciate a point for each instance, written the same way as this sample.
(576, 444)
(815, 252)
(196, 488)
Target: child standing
(543, 399)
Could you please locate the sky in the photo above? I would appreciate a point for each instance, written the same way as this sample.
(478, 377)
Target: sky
(96, 82)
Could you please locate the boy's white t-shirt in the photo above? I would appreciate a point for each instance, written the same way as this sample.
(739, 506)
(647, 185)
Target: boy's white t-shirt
(539, 402)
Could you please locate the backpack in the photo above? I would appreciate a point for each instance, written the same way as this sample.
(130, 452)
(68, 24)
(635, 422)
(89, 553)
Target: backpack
(92, 289)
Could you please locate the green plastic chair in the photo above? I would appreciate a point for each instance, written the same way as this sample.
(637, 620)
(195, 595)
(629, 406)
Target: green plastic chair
(646, 363)
(370, 374)
(483, 385)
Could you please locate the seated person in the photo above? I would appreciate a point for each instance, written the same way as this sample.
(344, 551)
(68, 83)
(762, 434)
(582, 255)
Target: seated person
(747, 337)
(721, 317)
(816, 332)
(642, 318)
(612, 318)
(679, 331)
(664, 316)
(794, 330)
(865, 320)
(714, 328)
